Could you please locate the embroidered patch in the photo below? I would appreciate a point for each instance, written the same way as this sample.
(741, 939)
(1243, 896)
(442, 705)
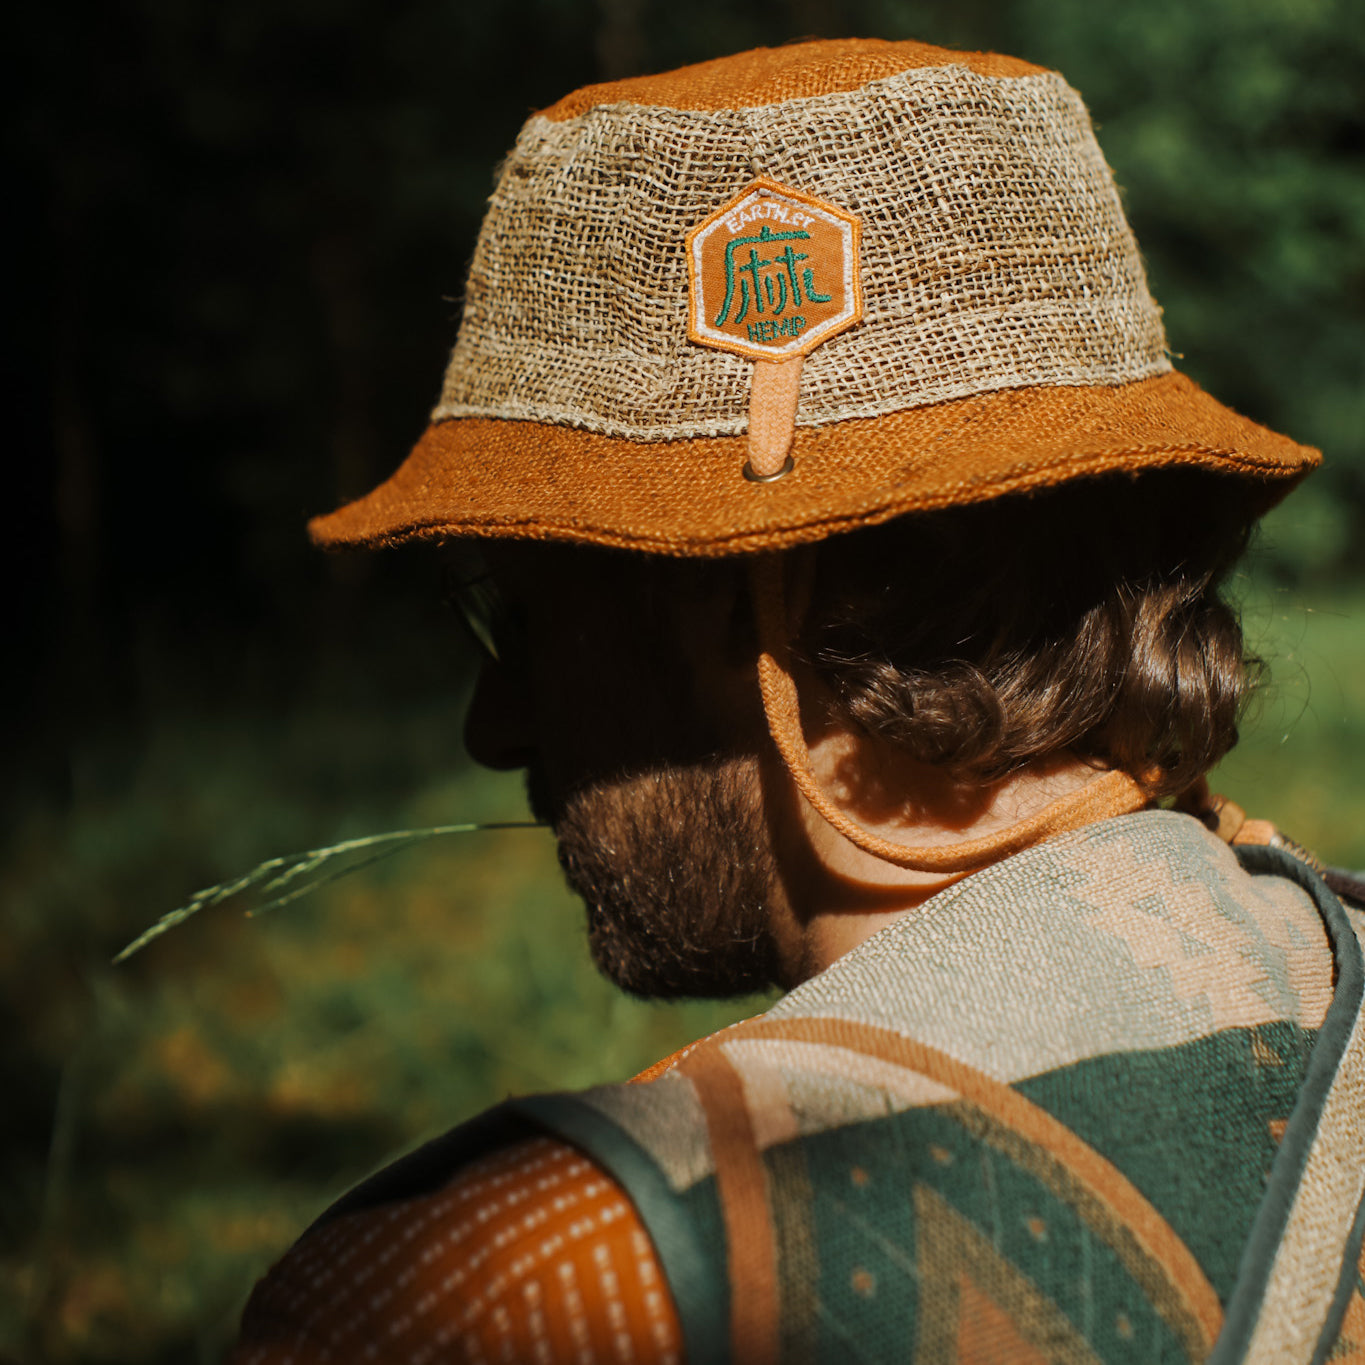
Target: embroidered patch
(773, 273)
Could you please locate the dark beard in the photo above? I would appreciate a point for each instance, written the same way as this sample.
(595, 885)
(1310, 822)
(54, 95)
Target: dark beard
(677, 874)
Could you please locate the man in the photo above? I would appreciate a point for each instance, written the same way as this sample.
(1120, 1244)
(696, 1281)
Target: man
(853, 556)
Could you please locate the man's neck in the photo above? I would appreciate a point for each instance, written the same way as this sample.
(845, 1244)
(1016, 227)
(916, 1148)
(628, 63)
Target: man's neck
(833, 895)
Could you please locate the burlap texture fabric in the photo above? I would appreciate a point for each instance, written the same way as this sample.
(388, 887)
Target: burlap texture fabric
(1008, 338)
(995, 255)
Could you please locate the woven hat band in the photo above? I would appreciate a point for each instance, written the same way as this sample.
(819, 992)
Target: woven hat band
(994, 256)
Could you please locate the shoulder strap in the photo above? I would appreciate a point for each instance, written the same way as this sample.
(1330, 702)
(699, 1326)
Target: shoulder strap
(1298, 1268)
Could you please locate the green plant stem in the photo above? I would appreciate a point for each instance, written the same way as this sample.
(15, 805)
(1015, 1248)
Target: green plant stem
(281, 872)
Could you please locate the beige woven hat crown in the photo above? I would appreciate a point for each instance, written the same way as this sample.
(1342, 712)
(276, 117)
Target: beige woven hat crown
(994, 331)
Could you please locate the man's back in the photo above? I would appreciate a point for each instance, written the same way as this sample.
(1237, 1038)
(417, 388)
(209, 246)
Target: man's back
(1043, 1119)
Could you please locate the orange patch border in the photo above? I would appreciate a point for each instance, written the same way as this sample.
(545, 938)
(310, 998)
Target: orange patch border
(819, 334)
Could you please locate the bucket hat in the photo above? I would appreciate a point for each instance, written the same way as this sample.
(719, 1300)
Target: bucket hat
(753, 302)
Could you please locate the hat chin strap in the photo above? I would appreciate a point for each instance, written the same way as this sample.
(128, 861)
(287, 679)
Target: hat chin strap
(1115, 793)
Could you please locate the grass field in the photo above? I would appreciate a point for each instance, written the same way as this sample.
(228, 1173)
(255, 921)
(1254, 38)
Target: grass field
(177, 1120)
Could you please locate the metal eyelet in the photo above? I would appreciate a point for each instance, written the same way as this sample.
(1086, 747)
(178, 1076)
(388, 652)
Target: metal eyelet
(787, 466)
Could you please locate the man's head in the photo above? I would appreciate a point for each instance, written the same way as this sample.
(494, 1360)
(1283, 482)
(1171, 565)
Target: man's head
(1087, 623)
(870, 315)
(627, 695)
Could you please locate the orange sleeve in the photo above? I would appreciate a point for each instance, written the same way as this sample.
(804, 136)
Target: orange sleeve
(533, 1254)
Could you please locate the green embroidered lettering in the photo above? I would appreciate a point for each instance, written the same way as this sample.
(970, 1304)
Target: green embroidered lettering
(778, 306)
(789, 258)
(811, 295)
(767, 329)
(749, 270)
(743, 301)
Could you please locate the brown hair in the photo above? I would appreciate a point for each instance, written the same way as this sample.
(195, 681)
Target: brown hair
(1086, 619)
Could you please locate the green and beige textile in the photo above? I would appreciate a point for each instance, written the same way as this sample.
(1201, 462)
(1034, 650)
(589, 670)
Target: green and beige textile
(1098, 1102)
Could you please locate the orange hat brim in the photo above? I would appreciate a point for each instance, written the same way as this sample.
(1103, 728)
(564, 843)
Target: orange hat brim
(481, 477)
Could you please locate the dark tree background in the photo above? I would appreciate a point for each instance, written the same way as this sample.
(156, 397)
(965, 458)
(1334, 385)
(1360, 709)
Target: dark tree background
(239, 238)
(243, 231)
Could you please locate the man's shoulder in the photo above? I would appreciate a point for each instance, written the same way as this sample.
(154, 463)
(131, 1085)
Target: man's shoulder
(836, 1168)
(530, 1252)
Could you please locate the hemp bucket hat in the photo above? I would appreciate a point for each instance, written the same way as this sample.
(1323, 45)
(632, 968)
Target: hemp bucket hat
(753, 302)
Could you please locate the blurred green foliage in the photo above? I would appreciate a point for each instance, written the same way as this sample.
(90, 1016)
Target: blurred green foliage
(1236, 129)
(243, 231)
(214, 1093)
(1302, 754)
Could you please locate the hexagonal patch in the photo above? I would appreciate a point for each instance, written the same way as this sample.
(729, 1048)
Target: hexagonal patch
(773, 273)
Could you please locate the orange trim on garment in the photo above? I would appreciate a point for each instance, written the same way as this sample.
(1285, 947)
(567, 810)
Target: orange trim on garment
(742, 1187)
